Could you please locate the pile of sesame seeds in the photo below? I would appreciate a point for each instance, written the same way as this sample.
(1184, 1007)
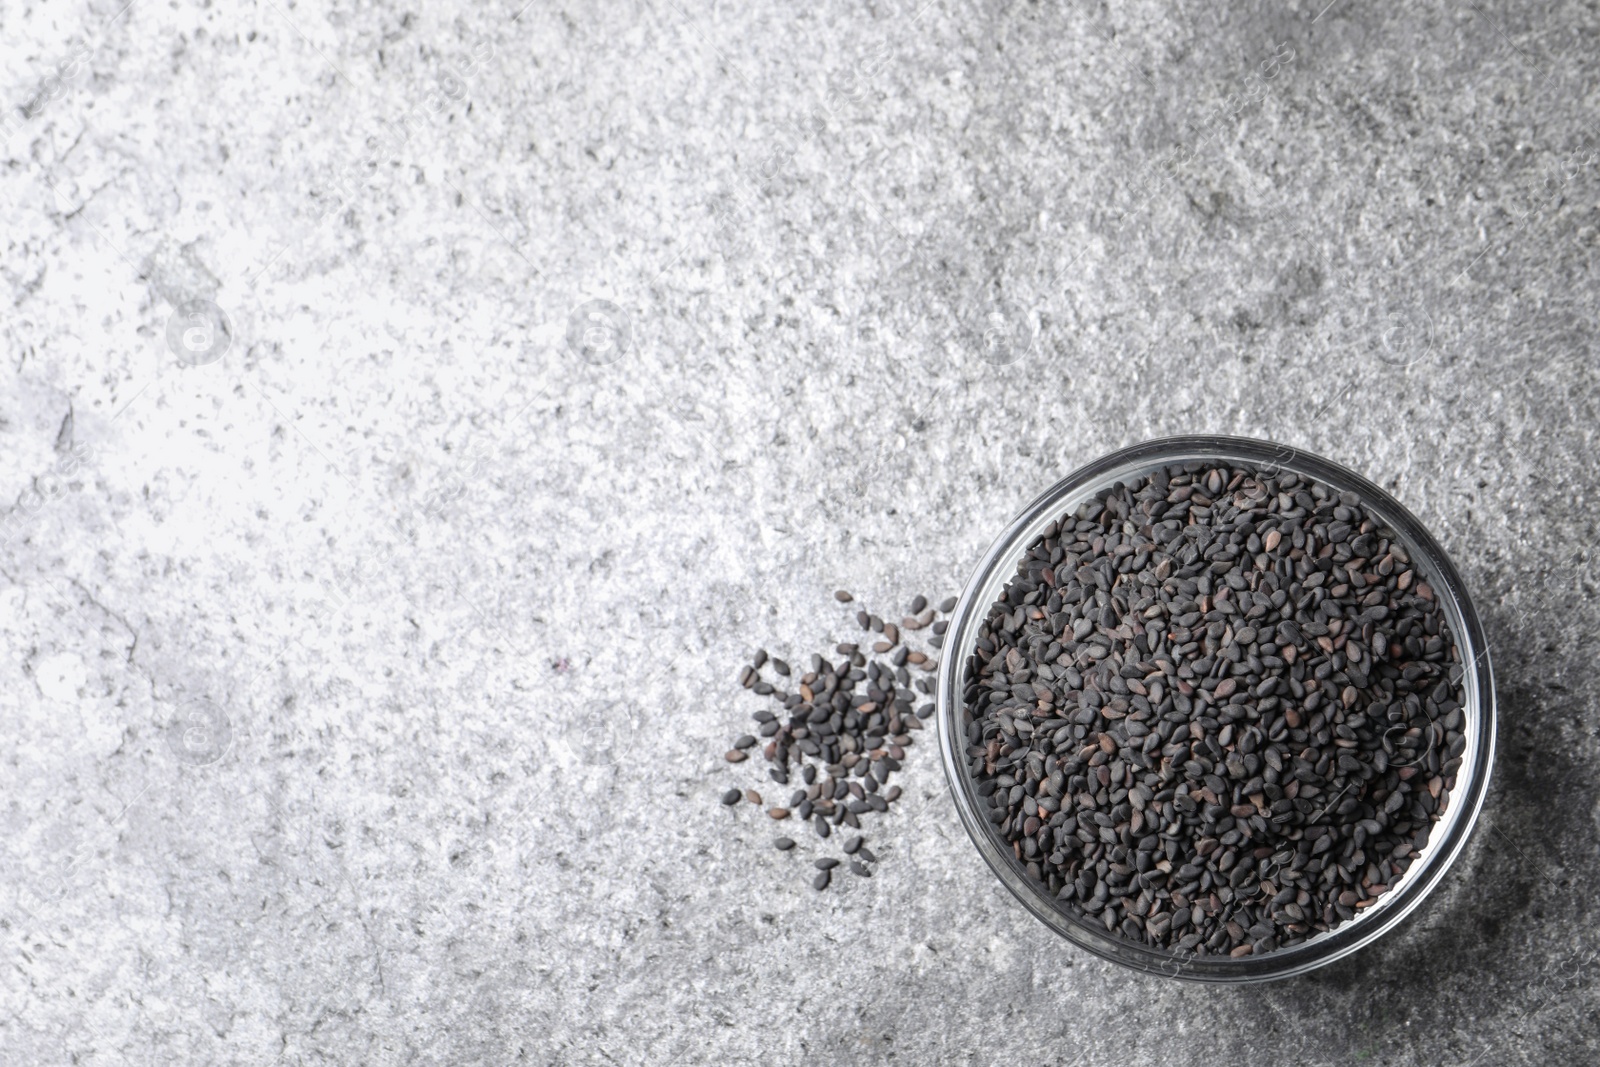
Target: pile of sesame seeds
(1216, 710)
(842, 727)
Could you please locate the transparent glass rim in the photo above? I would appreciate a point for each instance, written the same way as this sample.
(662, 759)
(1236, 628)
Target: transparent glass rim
(1428, 559)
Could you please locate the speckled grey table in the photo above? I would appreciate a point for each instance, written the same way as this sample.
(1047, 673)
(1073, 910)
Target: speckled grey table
(412, 416)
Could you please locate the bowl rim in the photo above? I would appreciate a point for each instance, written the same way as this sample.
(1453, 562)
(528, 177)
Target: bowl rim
(1447, 836)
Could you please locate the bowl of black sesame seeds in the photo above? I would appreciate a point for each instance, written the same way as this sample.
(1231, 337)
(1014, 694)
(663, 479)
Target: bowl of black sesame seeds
(1217, 709)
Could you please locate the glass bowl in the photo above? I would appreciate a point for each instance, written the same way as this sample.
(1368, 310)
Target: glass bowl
(1448, 835)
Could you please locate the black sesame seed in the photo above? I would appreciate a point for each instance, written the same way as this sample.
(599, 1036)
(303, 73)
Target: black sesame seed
(845, 726)
(1216, 709)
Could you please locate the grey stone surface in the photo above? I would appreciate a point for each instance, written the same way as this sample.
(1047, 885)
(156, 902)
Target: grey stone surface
(368, 663)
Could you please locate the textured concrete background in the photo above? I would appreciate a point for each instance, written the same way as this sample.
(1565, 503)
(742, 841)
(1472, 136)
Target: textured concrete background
(368, 656)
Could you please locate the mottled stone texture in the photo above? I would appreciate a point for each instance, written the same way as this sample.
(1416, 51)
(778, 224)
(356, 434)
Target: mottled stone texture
(368, 664)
